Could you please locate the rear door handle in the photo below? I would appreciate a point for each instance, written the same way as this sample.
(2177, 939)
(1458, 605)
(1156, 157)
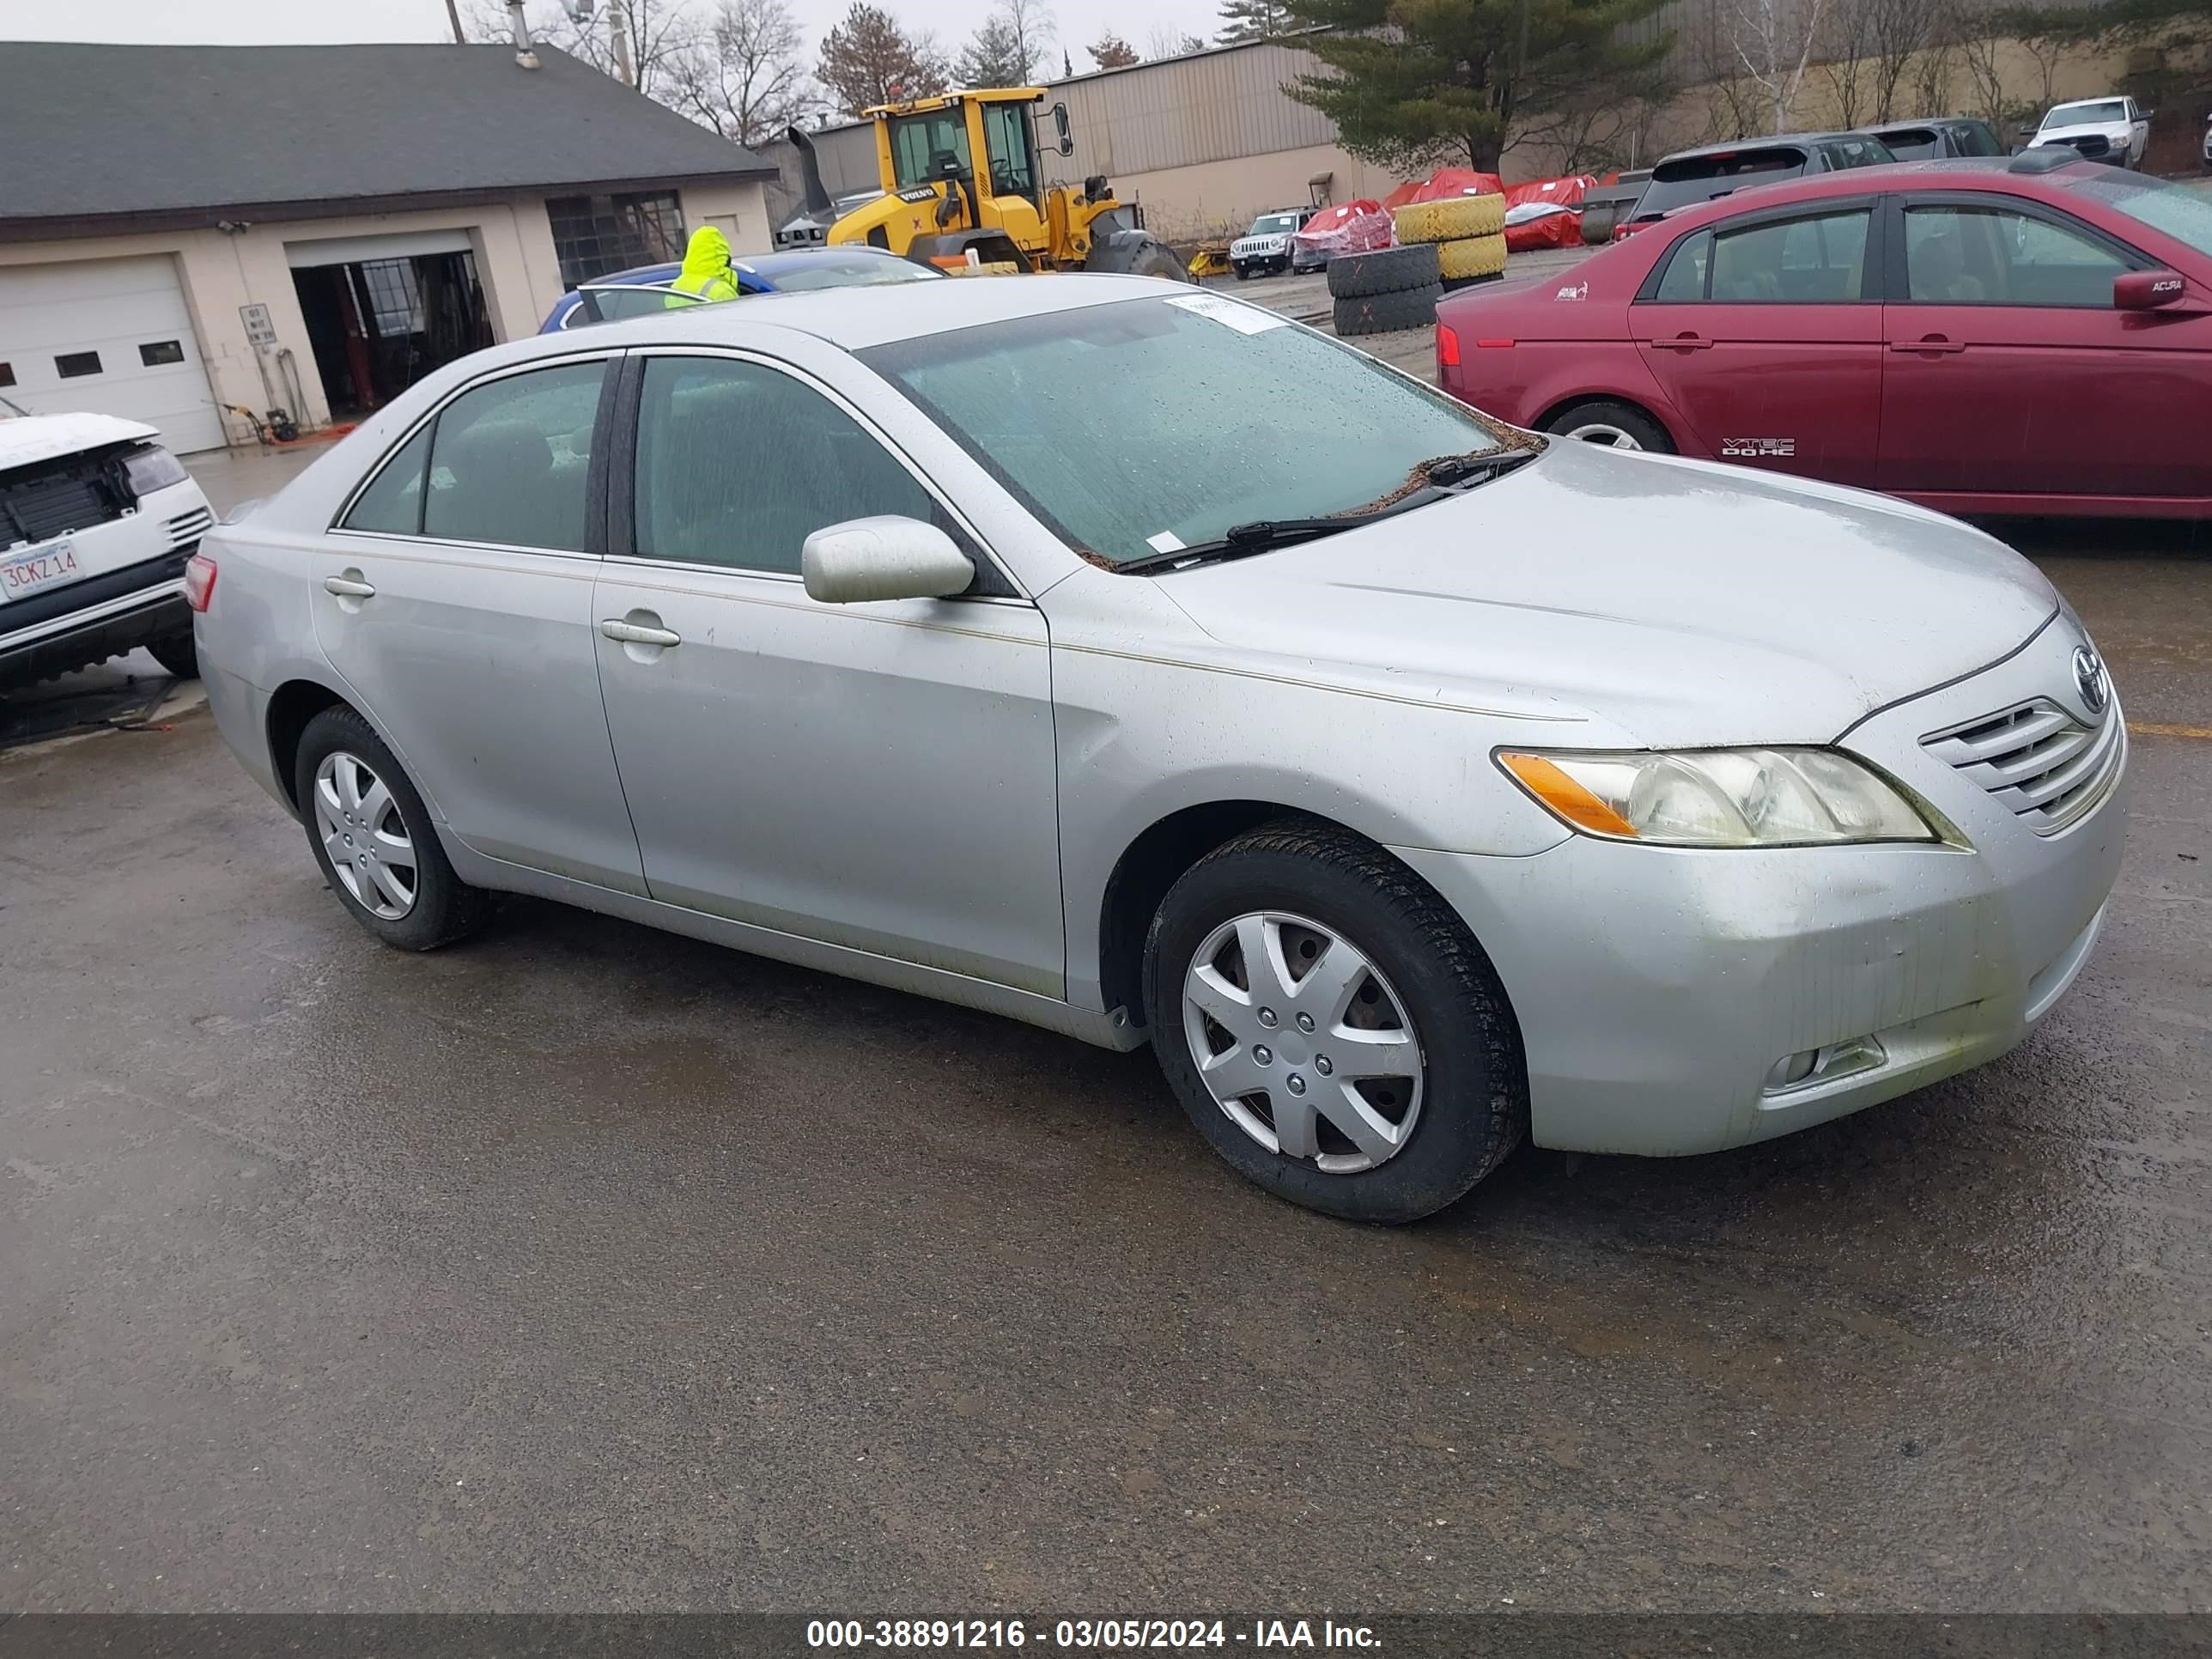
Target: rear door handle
(1686, 343)
(347, 587)
(631, 633)
(1932, 345)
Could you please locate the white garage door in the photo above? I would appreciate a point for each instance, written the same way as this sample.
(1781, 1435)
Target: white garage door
(111, 337)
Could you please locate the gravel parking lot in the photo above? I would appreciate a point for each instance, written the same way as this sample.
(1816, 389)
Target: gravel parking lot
(587, 1267)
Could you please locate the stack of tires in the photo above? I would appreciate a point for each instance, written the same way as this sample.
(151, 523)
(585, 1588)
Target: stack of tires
(1388, 290)
(1467, 232)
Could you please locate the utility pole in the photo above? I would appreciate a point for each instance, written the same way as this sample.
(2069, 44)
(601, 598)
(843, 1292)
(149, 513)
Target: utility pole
(453, 16)
(618, 41)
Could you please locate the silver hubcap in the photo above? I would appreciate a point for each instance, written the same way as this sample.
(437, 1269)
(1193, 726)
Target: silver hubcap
(365, 837)
(1604, 433)
(1303, 1043)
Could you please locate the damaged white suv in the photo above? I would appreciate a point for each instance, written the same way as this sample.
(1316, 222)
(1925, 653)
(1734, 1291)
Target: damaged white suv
(96, 522)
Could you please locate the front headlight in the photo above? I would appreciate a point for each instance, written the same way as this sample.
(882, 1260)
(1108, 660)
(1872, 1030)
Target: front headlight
(151, 468)
(1719, 797)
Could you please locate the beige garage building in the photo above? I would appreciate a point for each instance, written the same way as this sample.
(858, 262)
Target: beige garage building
(190, 234)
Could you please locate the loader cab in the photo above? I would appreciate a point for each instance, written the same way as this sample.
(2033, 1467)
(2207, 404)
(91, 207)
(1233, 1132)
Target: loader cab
(937, 141)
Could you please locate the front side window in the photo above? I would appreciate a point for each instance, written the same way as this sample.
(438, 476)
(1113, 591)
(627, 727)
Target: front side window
(919, 145)
(1991, 256)
(1820, 260)
(509, 460)
(738, 464)
(1146, 425)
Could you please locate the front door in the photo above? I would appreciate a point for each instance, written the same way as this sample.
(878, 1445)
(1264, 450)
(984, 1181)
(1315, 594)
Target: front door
(1765, 334)
(455, 598)
(876, 775)
(2009, 372)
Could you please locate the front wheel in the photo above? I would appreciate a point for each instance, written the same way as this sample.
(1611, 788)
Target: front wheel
(1243, 273)
(1331, 1027)
(371, 836)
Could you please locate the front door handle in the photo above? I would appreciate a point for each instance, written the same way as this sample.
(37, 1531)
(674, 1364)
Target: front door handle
(1685, 342)
(1933, 344)
(631, 633)
(347, 587)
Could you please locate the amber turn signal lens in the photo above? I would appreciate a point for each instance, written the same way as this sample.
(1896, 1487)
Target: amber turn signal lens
(1556, 790)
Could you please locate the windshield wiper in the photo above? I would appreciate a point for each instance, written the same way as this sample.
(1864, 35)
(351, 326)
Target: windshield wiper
(1445, 477)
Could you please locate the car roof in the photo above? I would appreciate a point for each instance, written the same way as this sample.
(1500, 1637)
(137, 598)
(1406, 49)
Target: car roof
(2000, 174)
(855, 318)
(1765, 141)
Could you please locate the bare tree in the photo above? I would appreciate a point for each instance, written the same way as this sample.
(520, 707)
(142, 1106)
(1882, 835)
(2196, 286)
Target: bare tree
(1846, 48)
(1110, 50)
(1981, 48)
(868, 59)
(1165, 42)
(1899, 32)
(654, 36)
(1931, 70)
(2048, 50)
(1773, 39)
(1029, 23)
(746, 78)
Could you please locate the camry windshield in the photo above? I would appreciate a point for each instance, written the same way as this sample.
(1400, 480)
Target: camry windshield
(2082, 115)
(2184, 214)
(1147, 425)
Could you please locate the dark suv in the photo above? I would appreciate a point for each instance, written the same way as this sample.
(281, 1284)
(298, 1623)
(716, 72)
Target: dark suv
(1937, 137)
(1691, 176)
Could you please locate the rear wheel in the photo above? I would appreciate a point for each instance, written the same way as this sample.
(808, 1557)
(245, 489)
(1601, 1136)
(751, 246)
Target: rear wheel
(179, 654)
(1331, 1027)
(372, 837)
(1612, 425)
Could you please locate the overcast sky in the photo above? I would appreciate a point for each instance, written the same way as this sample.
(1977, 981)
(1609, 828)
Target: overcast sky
(245, 22)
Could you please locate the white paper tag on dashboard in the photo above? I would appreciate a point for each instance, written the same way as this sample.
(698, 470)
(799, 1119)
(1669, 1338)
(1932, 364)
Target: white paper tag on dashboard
(1166, 542)
(1230, 314)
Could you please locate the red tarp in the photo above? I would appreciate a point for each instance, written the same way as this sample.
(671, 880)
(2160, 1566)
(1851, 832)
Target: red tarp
(1358, 226)
(1445, 181)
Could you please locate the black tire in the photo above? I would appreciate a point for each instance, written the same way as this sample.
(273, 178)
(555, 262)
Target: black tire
(1625, 417)
(1384, 270)
(1243, 273)
(1387, 314)
(1474, 1107)
(1454, 284)
(445, 909)
(1135, 253)
(179, 653)
(1597, 222)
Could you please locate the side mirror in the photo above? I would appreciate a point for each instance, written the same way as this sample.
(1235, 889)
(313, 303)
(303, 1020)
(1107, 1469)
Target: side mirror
(2027, 132)
(885, 557)
(2147, 290)
(1067, 145)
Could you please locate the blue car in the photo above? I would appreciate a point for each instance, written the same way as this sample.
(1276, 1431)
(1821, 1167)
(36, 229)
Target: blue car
(636, 293)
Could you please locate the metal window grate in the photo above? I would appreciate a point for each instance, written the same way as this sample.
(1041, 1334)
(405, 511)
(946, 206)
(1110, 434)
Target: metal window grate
(2039, 762)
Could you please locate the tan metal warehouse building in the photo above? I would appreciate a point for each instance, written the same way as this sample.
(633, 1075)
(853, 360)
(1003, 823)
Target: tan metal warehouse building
(189, 232)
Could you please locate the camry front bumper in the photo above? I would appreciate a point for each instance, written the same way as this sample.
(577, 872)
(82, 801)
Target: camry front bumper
(1678, 1000)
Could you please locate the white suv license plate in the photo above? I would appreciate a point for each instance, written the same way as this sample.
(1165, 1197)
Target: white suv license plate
(41, 566)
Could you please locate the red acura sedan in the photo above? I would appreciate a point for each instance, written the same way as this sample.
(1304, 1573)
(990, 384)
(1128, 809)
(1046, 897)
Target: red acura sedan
(1981, 335)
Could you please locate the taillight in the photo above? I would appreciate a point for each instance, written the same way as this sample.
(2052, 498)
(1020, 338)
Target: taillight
(1447, 346)
(199, 581)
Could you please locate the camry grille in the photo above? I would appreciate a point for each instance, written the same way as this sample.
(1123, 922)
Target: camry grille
(2042, 763)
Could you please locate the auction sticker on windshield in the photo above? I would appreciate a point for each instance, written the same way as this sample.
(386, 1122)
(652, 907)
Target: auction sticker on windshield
(44, 567)
(1245, 319)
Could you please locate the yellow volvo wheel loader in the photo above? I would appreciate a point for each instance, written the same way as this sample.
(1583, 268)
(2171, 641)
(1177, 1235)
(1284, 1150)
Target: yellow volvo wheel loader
(963, 173)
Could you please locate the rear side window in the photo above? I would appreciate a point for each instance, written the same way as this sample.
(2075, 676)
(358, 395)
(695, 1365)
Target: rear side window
(1914, 145)
(509, 459)
(1859, 153)
(1817, 260)
(393, 503)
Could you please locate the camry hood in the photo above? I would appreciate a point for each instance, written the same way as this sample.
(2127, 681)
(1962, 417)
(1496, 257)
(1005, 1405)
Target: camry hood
(1682, 602)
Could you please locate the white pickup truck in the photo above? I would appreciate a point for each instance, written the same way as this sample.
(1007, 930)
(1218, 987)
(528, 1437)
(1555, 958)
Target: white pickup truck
(2112, 129)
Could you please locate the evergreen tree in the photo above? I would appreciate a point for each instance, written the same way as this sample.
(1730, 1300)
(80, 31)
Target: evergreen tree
(1252, 19)
(1110, 50)
(1412, 83)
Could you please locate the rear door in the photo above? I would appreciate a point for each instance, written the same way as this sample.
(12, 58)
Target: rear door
(1765, 333)
(454, 596)
(2009, 372)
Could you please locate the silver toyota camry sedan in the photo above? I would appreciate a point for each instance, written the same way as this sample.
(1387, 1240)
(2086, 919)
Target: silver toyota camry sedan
(1130, 661)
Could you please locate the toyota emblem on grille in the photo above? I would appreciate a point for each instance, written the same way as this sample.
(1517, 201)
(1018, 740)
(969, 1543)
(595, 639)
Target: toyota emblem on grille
(2089, 678)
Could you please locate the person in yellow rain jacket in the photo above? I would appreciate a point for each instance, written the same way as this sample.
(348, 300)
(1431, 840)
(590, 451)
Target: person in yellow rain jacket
(706, 271)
